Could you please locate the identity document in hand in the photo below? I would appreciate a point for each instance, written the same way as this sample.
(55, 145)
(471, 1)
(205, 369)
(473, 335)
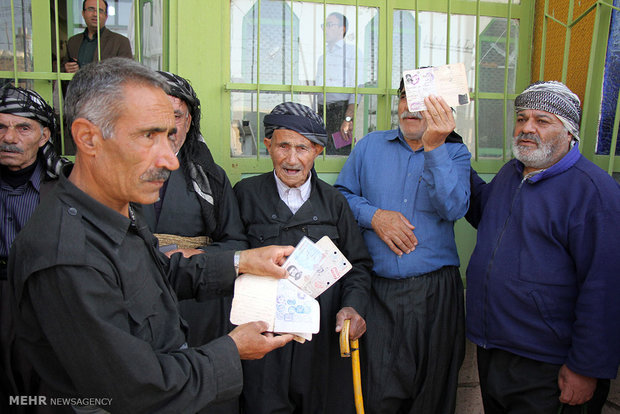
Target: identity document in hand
(448, 81)
(288, 305)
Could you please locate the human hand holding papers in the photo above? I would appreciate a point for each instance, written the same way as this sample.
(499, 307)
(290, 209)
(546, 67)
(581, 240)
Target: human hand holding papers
(448, 81)
(289, 305)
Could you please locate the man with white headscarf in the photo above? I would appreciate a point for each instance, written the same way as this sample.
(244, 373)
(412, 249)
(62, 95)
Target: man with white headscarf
(542, 282)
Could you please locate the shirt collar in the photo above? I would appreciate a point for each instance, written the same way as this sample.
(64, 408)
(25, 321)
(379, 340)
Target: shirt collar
(304, 189)
(77, 202)
(85, 33)
(37, 176)
(398, 136)
(339, 44)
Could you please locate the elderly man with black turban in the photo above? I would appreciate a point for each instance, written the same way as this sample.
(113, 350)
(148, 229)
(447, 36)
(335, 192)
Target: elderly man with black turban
(280, 207)
(197, 210)
(543, 281)
(28, 167)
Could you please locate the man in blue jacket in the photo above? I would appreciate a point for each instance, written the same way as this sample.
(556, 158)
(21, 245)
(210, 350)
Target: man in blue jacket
(543, 281)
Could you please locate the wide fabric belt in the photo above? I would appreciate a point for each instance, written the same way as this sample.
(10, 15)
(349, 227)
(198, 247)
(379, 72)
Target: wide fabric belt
(183, 242)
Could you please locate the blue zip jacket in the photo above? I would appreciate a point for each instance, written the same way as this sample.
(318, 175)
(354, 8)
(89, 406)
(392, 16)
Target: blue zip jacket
(544, 279)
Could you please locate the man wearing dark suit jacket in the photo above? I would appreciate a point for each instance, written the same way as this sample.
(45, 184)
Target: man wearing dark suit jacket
(82, 48)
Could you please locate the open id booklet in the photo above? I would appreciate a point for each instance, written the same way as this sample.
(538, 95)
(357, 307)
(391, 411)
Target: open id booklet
(447, 81)
(289, 305)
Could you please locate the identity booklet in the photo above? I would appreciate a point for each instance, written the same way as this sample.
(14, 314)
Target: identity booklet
(289, 305)
(447, 81)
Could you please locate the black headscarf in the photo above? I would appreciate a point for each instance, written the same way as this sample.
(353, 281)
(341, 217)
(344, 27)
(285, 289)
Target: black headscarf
(199, 168)
(29, 104)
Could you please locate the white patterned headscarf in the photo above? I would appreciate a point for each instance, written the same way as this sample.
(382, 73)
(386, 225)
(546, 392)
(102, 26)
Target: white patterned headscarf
(553, 97)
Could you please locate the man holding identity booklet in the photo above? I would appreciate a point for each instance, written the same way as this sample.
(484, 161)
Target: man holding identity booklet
(286, 206)
(406, 188)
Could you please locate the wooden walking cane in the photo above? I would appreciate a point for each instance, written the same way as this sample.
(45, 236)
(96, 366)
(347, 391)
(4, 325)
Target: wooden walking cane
(353, 351)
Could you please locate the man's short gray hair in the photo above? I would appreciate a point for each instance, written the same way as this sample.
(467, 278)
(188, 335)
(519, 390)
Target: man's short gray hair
(96, 91)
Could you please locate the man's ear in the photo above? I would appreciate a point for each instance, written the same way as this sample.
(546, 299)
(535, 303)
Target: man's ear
(267, 142)
(318, 149)
(86, 135)
(45, 136)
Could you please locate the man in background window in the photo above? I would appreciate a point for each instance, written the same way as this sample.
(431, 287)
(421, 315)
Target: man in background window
(82, 48)
(339, 72)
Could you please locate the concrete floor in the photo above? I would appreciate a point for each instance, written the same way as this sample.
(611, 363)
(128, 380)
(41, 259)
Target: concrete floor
(468, 400)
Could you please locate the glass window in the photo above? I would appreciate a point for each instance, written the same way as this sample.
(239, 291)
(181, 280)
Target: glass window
(151, 34)
(22, 49)
(491, 128)
(334, 46)
(433, 42)
(120, 13)
(493, 54)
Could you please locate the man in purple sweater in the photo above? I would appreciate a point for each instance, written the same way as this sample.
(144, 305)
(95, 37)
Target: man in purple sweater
(543, 281)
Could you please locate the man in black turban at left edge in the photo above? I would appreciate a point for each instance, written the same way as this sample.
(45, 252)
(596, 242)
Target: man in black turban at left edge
(29, 167)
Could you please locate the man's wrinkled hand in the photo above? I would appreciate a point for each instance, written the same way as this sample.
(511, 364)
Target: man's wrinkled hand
(265, 261)
(395, 231)
(439, 122)
(357, 326)
(575, 389)
(185, 252)
(252, 344)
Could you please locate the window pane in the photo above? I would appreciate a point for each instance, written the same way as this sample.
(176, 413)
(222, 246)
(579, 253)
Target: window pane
(465, 125)
(247, 130)
(23, 36)
(351, 50)
(491, 127)
(119, 15)
(151, 32)
(243, 34)
(493, 54)
(275, 42)
(403, 44)
(510, 125)
(433, 42)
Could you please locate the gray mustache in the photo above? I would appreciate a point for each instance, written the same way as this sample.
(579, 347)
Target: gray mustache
(407, 114)
(11, 148)
(159, 174)
(529, 137)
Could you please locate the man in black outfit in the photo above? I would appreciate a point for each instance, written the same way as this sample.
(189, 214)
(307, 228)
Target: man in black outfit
(95, 302)
(281, 207)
